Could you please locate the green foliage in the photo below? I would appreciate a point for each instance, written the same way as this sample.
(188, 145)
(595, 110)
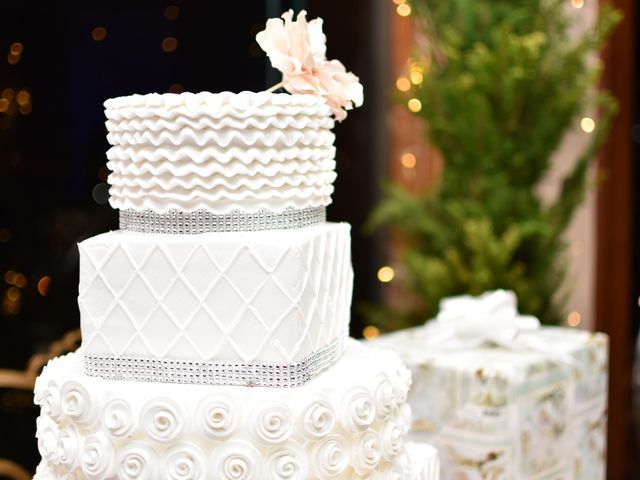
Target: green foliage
(503, 82)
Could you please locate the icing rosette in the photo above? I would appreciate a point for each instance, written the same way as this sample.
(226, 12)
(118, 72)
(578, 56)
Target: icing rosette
(136, 461)
(217, 416)
(184, 461)
(68, 447)
(50, 401)
(384, 396)
(48, 434)
(330, 456)
(97, 457)
(287, 464)
(77, 403)
(358, 410)
(237, 460)
(318, 418)
(162, 420)
(117, 418)
(367, 452)
(392, 439)
(273, 423)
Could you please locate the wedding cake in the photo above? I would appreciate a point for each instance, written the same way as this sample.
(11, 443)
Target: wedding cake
(215, 321)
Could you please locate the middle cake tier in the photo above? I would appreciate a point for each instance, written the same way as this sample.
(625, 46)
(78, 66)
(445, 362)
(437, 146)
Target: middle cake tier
(272, 297)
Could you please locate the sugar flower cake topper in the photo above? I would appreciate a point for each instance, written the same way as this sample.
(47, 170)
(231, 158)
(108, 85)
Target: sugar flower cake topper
(298, 49)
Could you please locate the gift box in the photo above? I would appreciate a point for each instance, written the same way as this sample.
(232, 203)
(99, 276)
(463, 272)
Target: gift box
(502, 397)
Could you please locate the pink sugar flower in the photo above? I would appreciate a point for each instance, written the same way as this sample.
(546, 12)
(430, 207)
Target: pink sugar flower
(298, 49)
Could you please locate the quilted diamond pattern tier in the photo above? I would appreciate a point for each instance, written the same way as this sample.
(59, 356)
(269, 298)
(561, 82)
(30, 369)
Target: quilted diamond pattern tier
(274, 296)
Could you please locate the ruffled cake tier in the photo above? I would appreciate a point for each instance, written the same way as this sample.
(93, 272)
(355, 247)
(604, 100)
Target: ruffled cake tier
(348, 423)
(186, 152)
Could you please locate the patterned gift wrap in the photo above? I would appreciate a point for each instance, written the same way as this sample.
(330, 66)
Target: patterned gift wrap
(507, 413)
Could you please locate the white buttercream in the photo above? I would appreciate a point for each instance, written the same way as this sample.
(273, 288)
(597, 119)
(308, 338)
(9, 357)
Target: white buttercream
(117, 418)
(136, 461)
(229, 432)
(163, 419)
(273, 423)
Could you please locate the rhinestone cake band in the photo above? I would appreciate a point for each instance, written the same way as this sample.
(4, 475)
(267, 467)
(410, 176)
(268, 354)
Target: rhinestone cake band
(252, 374)
(203, 221)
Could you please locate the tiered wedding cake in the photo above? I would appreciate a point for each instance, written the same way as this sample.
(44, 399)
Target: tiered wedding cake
(215, 322)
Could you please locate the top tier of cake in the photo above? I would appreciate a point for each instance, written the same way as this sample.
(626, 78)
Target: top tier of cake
(220, 152)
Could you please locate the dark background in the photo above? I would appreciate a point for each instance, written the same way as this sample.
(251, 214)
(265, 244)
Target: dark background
(53, 142)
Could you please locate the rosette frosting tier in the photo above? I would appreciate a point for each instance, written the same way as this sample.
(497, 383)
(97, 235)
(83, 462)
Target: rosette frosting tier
(335, 426)
(220, 152)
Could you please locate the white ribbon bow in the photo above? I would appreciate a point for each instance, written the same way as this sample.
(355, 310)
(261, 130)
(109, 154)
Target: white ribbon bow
(470, 322)
(466, 322)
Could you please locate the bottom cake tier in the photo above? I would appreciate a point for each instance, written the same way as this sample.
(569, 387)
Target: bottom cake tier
(351, 422)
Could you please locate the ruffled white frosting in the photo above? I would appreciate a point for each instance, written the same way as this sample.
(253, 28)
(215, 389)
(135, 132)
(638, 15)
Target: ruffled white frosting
(220, 152)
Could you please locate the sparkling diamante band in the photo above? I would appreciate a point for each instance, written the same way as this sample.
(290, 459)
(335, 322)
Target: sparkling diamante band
(251, 374)
(202, 221)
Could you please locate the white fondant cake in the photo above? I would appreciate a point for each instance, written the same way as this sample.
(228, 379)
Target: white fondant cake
(215, 322)
(274, 296)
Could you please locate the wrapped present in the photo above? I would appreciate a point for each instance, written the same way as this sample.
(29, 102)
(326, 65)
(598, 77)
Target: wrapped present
(503, 397)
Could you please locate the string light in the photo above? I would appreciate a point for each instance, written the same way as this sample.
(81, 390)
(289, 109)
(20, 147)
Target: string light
(370, 332)
(13, 294)
(43, 285)
(169, 44)
(4, 104)
(577, 3)
(403, 84)
(574, 319)
(587, 124)
(172, 12)
(8, 93)
(99, 34)
(19, 280)
(403, 10)
(408, 160)
(9, 275)
(416, 77)
(23, 97)
(414, 105)
(16, 48)
(386, 274)
(13, 59)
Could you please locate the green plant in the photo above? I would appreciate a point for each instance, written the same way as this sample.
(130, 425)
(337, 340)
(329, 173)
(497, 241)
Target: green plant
(503, 82)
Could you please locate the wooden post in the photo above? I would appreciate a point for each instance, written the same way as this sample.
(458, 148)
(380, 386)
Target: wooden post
(614, 300)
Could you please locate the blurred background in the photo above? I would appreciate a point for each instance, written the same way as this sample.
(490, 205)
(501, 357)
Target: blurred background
(59, 61)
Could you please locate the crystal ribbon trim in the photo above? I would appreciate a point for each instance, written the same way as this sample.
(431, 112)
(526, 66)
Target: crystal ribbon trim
(250, 374)
(203, 221)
